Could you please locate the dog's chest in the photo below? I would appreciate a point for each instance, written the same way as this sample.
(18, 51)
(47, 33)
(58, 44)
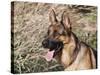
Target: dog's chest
(67, 54)
(65, 58)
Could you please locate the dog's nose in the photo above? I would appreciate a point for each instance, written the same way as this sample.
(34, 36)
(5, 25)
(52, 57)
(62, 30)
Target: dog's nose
(44, 43)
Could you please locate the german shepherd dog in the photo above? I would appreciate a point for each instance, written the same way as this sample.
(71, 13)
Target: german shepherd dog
(63, 45)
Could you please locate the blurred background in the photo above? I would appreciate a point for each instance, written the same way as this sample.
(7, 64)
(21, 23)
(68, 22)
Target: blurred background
(29, 26)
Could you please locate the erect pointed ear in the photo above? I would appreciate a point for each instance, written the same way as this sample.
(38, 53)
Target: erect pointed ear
(66, 21)
(52, 17)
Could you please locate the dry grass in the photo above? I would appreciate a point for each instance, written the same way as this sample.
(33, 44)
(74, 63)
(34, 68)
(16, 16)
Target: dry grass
(29, 28)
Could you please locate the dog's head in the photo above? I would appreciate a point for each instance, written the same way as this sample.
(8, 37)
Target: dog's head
(57, 35)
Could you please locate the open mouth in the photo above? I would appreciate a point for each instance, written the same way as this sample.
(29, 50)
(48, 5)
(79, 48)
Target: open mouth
(52, 52)
(49, 55)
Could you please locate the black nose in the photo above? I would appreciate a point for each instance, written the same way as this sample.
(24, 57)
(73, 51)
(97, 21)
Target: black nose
(45, 43)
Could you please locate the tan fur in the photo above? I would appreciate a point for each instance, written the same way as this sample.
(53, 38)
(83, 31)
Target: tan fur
(84, 60)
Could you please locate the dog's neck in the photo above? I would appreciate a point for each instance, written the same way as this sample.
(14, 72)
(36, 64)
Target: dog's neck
(69, 51)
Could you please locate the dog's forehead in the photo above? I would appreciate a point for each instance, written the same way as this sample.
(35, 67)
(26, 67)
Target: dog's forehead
(56, 26)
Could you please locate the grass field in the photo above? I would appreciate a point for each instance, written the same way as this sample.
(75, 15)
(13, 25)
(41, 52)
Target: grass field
(29, 25)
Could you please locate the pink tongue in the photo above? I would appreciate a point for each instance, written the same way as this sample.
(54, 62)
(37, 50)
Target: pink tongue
(49, 55)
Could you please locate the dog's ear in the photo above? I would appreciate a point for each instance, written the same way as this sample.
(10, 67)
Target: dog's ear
(66, 21)
(52, 17)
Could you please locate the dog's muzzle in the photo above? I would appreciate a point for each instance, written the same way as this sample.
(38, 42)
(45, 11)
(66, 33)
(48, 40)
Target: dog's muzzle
(52, 44)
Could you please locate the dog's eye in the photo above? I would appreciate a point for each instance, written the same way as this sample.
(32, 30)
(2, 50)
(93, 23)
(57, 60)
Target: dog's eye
(56, 33)
(64, 33)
